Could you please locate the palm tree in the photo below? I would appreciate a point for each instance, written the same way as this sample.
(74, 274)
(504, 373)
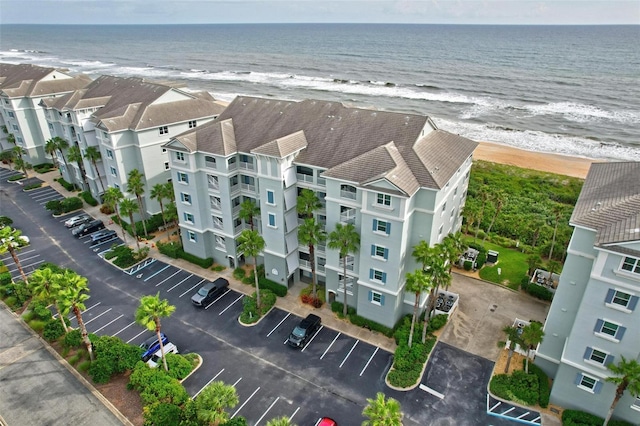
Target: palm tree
(280, 421)
(75, 155)
(159, 192)
(135, 185)
(483, 195)
(61, 145)
(453, 248)
(557, 212)
(307, 203)
(382, 412)
(44, 286)
(93, 155)
(10, 242)
(627, 377)
(312, 233)
(148, 315)
(71, 298)
(112, 197)
(252, 244)
(499, 198)
(470, 214)
(513, 336)
(11, 138)
(19, 160)
(50, 147)
(346, 240)
(440, 276)
(417, 283)
(532, 335)
(23, 165)
(128, 208)
(212, 402)
(248, 210)
(172, 217)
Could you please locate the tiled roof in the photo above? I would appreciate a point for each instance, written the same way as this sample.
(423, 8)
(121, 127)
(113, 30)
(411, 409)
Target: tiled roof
(336, 134)
(31, 80)
(283, 146)
(609, 202)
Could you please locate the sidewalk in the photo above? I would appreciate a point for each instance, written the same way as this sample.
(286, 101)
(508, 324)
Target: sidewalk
(290, 303)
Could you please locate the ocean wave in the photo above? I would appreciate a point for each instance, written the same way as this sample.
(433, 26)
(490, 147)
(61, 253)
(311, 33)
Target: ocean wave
(533, 140)
(584, 113)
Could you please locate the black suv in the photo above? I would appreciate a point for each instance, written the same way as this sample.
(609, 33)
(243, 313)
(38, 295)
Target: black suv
(303, 331)
(88, 228)
(209, 291)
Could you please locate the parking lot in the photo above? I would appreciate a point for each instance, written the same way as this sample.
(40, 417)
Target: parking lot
(331, 376)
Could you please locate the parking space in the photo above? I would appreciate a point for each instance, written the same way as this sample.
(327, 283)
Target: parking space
(29, 259)
(5, 174)
(45, 194)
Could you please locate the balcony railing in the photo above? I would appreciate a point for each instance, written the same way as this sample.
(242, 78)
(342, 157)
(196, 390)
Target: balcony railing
(248, 187)
(305, 263)
(247, 165)
(240, 228)
(348, 216)
(321, 248)
(320, 268)
(347, 194)
(349, 265)
(304, 177)
(322, 181)
(236, 209)
(235, 187)
(210, 164)
(213, 183)
(232, 166)
(215, 205)
(218, 224)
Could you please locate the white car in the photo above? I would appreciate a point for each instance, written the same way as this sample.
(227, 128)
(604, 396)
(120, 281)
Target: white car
(77, 220)
(23, 240)
(156, 358)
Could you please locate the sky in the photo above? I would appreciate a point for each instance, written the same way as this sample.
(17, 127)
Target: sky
(517, 12)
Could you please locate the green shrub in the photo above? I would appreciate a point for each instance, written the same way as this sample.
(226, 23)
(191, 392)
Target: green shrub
(28, 316)
(179, 366)
(519, 387)
(279, 289)
(467, 265)
(370, 325)
(66, 205)
(54, 206)
(73, 360)
(239, 273)
(73, 339)
(437, 322)
(32, 186)
(218, 268)
(537, 291)
(5, 278)
(543, 384)
(88, 198)
(203, 263)
(37, 325)
(580, 418)
(250, 313)
(53, 330)
(156, 386)
(236, 421)
(113, 356)
(16, 177)
(169, 249)
(248, 281)
(12, 302)
(66, 185)
(5, 221)
(41, 311)
(43, 167)
(162, 414)
(84, 366)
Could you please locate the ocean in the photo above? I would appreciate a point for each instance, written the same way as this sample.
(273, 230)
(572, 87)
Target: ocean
(563, 89)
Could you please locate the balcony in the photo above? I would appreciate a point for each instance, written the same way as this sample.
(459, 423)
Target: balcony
(232, 166)
(320, 268)
(220, 244)
(213, 183)
(239, 228)
(321, 248)
(322, 181)
(247, 166)
(210, 164)
(248, 187)
(348, 216)
(349, 264)
(217, 224)
(305, 263)
(234, 188)
(304, 177)
(347, 194)
(215, 205)
(236, 209)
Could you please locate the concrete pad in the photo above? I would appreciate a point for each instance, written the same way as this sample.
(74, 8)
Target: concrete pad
(484, 310)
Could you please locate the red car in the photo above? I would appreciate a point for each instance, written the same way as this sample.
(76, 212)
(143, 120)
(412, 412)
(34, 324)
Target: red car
(326, 421)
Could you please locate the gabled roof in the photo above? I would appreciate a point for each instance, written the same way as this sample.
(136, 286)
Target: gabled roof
(609, 203)
(25, 80)
(283, 146)
(336, 134)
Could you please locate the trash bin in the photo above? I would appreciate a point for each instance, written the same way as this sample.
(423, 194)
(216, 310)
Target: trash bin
(492, 256)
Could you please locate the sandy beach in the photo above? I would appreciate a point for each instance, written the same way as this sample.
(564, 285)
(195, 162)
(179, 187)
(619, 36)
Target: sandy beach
(545, 162)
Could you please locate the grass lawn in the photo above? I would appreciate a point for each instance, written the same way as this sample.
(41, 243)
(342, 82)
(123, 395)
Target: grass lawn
(512, 263)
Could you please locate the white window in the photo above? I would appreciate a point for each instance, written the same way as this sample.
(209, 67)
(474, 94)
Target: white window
(631, 264)
(188, 217)
(588, 383)
(621, 299)
(180, 156)
(192, 236)
(166, 165)
(109, 154)
(384, 200)
(11, 114)
(183, 178)
(272, 220)
(597, 356)
(113, 171)
(192, 124)
(609, 330)
(381, 226)
(164, 130)
(377, 275)
(271, 198)
(186, 198)
(376, 298)
(15, 127)
(379, 252)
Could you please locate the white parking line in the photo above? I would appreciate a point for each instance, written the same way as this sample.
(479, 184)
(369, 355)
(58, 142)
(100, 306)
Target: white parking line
(431, 391)
(123, 329)
(38, 190)
(265, 413)
(294, 413)
(312, 337)
(168, 278)
(190, 275)
(334, 340)
(136, 336)
(108, 324)
(45, 194)
(368, 362)
(237, 381)
(208, 383)
(201, 281)
(25, 266)
(86, 310)
(225, 309)
(153, 275)
(47, 199)
(346, 357)
(219, 297)
(275, 328)
(96, 317)
(245, 403)
(104, 242)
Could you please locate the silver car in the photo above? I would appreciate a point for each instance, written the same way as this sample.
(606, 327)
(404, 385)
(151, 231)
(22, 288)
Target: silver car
(77, 220)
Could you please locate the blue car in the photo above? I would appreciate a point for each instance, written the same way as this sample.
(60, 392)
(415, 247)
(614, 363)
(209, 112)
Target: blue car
(152, 345)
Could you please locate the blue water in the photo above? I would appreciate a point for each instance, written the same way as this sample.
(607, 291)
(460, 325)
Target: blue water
(564, 89)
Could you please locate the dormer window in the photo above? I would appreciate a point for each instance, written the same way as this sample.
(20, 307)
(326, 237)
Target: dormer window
(384, 200)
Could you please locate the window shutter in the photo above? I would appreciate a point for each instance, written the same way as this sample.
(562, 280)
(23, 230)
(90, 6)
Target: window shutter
(370, 295)
(388, 228)
(598, 387)
(370, 274)
(578, 379)
(375, 224)
(598, 326)
(384, 277)
(610, 294)
(382, 299)
(608, 360)
(588, 352)
(632, 303)
(386, 256)
(373, 250)
(620, 332)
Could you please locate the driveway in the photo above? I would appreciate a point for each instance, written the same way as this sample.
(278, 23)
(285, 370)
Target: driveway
(483, 311)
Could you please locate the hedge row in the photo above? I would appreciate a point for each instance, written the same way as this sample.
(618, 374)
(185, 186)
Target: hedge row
(66, 185)
(32, 186)
(536, 290)
(16, 177)
(361, 321)
(43, 167)
(519, 387)
(174, 250)
(580, 418)
(88, 198)
(153, 223)
(543, 384)
(67, 205)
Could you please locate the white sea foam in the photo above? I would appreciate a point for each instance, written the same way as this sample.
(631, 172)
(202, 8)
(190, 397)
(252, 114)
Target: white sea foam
(584, 113)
